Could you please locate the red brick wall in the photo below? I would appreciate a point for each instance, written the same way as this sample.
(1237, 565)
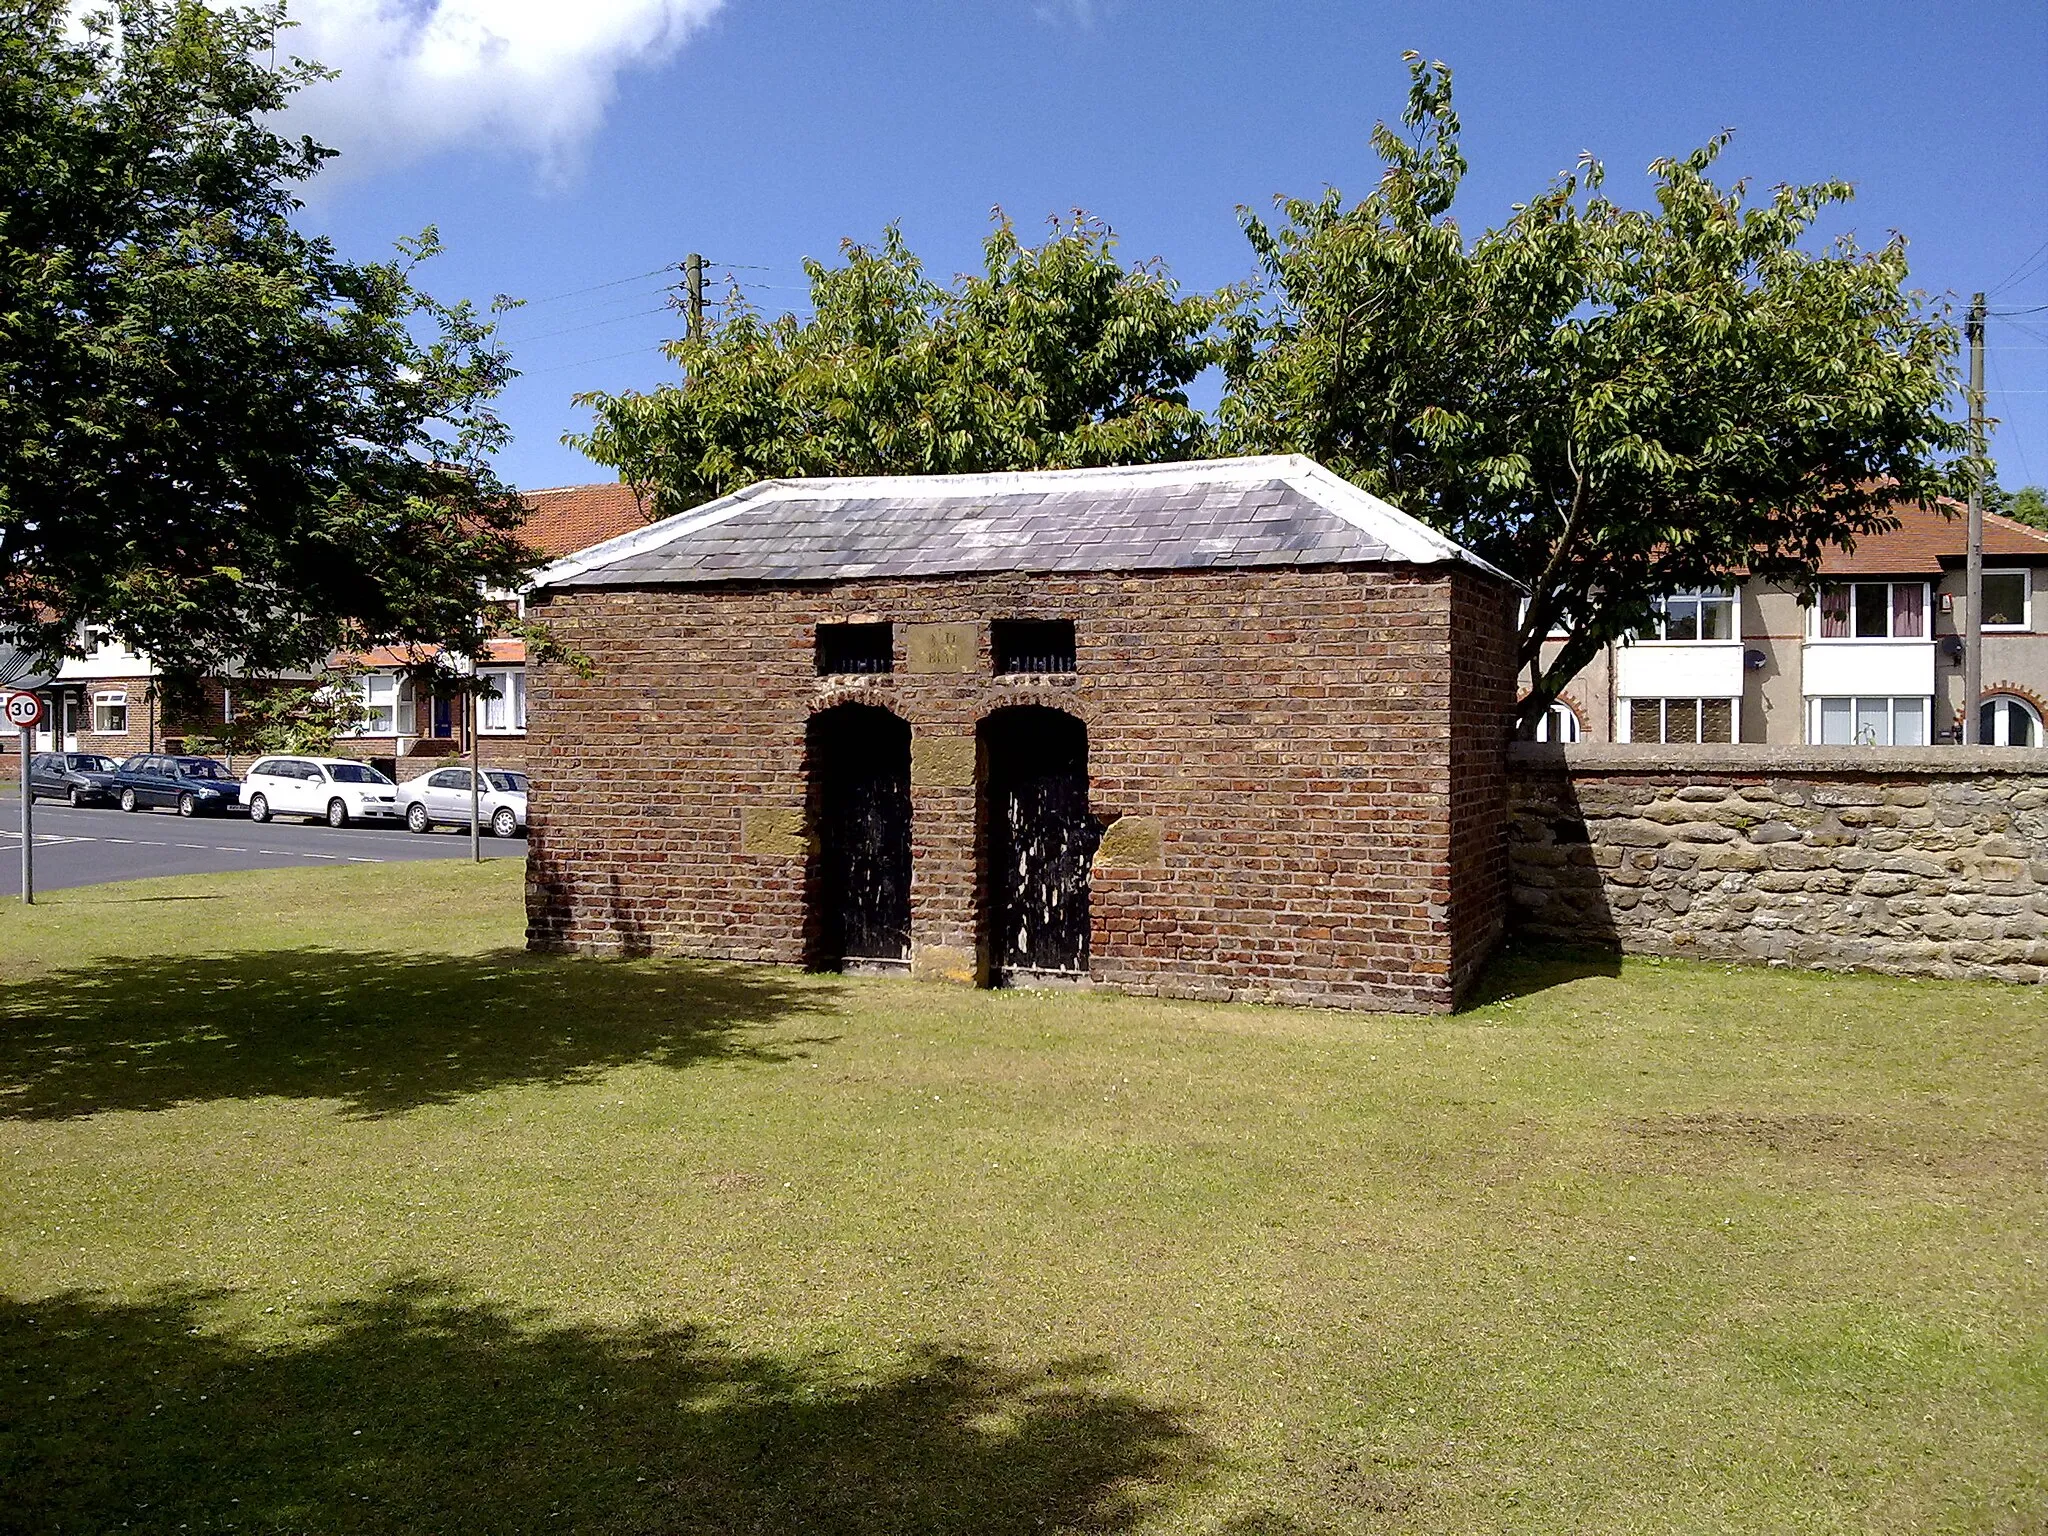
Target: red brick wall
(1294, 733)
(1483, 694)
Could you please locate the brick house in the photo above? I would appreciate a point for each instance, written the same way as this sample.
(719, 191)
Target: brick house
(1876, 661)
(1227, 729)
(110, 700)
(407, 728)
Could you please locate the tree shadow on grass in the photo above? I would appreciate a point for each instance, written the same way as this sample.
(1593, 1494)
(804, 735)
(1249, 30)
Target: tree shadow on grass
(382, 1033)
(416, 1409)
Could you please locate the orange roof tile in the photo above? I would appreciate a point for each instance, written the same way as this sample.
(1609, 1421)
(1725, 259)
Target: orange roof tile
(1926, 542)
(571, 517)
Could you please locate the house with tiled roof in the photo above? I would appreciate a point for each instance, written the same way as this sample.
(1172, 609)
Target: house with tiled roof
(407, 724)
(109, 700)
(1875, 659)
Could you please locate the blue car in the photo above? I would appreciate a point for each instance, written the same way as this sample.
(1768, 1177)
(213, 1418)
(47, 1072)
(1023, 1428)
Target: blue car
(193, 786)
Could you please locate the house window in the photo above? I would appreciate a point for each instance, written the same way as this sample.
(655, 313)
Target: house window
(2006, 721)
(377, 692)
(1681, 720)
(857, 648)
(110, 714)
(1869, 722)
(1872, 610)
(1559, 723)
(502, 712)
(1032, 645)
(1695, 616)
(2006, 604)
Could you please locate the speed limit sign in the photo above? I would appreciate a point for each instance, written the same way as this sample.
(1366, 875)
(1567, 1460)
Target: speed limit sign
(24, 710)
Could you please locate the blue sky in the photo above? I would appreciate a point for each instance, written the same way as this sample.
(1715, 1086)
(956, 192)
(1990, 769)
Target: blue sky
(594, 142)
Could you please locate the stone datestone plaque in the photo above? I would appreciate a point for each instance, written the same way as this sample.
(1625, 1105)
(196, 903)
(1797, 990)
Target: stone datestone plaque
(1132, 842)
(941, 648)
(772, 831)
(942, 762)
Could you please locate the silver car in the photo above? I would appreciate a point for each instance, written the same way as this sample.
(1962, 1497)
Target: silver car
(441, 799)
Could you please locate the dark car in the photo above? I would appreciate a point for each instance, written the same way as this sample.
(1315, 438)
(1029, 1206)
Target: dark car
(83, 778)
(194, 786)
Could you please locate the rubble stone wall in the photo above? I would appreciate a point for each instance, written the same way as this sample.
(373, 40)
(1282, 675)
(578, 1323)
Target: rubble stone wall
(1928, 861)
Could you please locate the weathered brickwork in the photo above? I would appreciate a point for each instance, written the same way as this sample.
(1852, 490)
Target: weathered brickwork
(1306, 767)
(1920, 861)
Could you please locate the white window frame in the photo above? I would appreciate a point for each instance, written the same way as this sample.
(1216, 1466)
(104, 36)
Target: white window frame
(510, 683)
(366, 689)
(1625, 726)
(1559, 713)
(113, 699)
(2026, 622)
(2010, 698)
(1815, 706)
(1697, 596)
(1925, 637)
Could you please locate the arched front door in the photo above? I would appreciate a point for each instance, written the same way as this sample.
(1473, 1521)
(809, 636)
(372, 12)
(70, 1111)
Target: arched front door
(1039, 840)
(860, 810)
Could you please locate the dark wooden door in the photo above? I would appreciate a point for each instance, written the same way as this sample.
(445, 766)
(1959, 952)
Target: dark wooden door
(1041, 840)
(861, 789)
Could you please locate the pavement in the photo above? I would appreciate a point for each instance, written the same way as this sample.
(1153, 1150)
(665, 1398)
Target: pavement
(92, 847)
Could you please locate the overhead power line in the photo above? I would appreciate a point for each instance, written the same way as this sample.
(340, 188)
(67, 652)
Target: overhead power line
(570, 330)
(2023, 269)
(617, 282)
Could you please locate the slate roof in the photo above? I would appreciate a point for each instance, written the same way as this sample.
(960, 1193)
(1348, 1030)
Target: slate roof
(1280, 510)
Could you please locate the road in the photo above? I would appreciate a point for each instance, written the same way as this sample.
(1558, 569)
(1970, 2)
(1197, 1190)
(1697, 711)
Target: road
(91, 847)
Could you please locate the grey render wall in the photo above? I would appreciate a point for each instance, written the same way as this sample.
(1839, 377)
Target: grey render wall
(1928, 861)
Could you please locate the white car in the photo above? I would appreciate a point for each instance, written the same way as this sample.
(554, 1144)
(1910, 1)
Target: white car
(441, 799)
(333, 789)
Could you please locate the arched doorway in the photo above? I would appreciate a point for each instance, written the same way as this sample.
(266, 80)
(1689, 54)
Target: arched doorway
(1038, 840)
(860, 810)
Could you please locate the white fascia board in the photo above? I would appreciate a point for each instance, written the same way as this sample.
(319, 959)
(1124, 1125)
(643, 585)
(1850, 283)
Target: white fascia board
(1408, 536)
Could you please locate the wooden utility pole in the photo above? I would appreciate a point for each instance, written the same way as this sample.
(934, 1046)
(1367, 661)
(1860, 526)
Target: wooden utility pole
(1973, 578)
(693, 278)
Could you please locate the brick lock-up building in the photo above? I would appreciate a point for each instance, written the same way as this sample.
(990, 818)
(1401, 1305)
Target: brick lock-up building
(1225, 729)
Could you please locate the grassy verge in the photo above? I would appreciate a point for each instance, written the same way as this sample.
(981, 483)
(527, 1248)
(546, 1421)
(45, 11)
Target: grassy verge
(323, 1208)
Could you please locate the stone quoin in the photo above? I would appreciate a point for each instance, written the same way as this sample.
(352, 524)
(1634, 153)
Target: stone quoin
(1231, 729)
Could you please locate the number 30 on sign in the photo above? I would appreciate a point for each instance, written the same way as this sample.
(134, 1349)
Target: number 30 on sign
(24, 711)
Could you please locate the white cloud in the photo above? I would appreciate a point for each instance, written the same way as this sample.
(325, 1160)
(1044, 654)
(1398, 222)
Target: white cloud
(420, 76)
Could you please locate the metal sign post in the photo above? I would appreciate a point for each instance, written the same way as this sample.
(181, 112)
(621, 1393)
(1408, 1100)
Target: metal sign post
(25, 712)
(476, 789)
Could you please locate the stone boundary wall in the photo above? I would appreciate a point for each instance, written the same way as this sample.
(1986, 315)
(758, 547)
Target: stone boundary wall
(1923, 861)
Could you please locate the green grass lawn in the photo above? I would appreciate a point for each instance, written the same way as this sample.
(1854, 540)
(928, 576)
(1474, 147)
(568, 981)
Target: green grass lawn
(324, 1209)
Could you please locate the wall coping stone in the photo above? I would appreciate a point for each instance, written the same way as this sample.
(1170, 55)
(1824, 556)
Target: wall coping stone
(1752, 758)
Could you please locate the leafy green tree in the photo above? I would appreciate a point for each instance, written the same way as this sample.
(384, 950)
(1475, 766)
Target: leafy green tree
(2028, 504)
(1050, 357)
(217, 438)
(299, 718)
(1610, 404)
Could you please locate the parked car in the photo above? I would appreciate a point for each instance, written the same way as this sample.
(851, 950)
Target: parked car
(193, 785)
(441, 798)
(337, 790)
(83, 778)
